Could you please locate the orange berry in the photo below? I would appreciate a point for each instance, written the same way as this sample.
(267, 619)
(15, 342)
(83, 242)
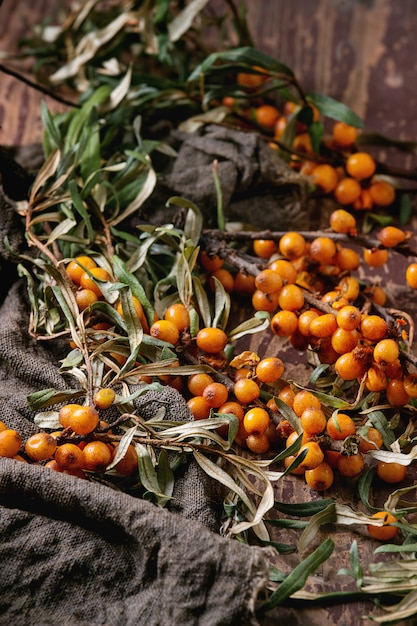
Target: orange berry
(344, 341)
(325, 177)
(216, 394)
(69, 457)
(232, 407)
(347, 260)
(373, 327)
(264, 248)
(339, 426)
(349, 367)
(342, 221)
(350, 466)
(76, 268)
(323, 325)
(258, 443)
(360, 165)
(87, 282)
(270, 369)
(285, 269)
(211, 263)
(391, 473)
(313, 421)
(390, 236)
(224, 277)
(344, 135)
(246, 390)
(291, 298)
(256, 420)
(165, 331)
(385, 532)
(349, 288)
(284, 323)
(396, 394)
(41, 446)
(85, 298)
(127, 465)
(382, 193)
(287, 395)
(262, 301)
(81, 419)
(297, 471)
(199, 407)
(140, 313)
(266, 115)
(244, 284)
(376, 379)
(320, 478)
(347, 191)
(178, 314)
(372, 440)
(376, 294)
(314, 456)
(349, 317)
(196, 383)
(211, 340)
(323, 250)
(268, 281)
(292, 245)
(410, 385)
(411, 275)
(375, 257)
(304, 321)
(104, 398)
(10, 442)
(97, 455)
(386, 351)
(305, 400)
(364, 202)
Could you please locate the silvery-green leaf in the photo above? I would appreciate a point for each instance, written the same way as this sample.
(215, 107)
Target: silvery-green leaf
(123, 446)
(48, 420)
(182, 22)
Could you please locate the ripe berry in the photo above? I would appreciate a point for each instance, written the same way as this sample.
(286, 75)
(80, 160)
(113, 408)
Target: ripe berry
(382, 193)
(81, 419)
(360, 165)
(349, 317)
(199, 407)
(410, 384)
(246, 390)
(140, 313)
(264, 248)
(104, 398)
(344, 135)
(375, 257)
(391, 473)
(347, 260)
(258, 443)
(313, 421)
(41, 446)
(69, 457)
(373, 327)
(291, 298)
(128, 465)
(372, 440)
(165, 331)
(10, 442)
(284, 323)
(216, 394)
(256, 420)
(396, 394)
(211, 340)
(305, 400)
(320, 478)
(262, 301)
(386, 351)
(385, 532)
(87, 282)
(97, 455)
(266, 116)
(344, 341)
(224, 277)
(314, 456)
(74, 269)
(323, 325)
(339, 426)
(292, 245)
(390, 236)
(376, 379)
(411, 275)
(350, 466)
(322, 250)
(285, 269)
(270, 369)
(325, 177)
(349, 367)
(196, 383)
(342, 221)
(85, 298)
(244, 284)
(347, 191)
(268, 281)
(178, 315)
(211, 263)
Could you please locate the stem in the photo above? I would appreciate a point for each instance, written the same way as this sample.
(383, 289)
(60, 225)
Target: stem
(37, 87)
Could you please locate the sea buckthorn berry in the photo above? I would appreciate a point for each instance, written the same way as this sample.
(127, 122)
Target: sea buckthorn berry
(87, 282)
(376, 294)
(391, 472)
(344, 340)
(252, 80)
(344, 135)
(97, 455)
(258, 443)
(410, 384)
(266, 116)
(349, 288)
(323, 325)
(411, 275)
(343, 222)
(165, 331)
(371, 440)
(104, 398)
(396, 394)
(216, 394)
(364, 202)
(339, 426)
(373, 327)
(382, 193)
(305, 400)
(199, 407)
(270, 369)
(76, 268)
(324, 350)
(376, 379)
(349, 317)
(211, 340)
(10, 442)
(196, 383)
(386, 351)
(287, 395)
(302, 143)
(81, 419)
(322, 250)
(85, 298)
(264, 248)
(351, 465)
(375, 257)
(349, 367)
(347, 191)
(69, 457)
(390, 236)
(297, 471)
(385, 532)
(360, 165)
(262, 301)
(314, 456)
(178, 315)
(127, 465)
(140, 313)
(325, 177)
(304, 321)
(224, 277)
(41, 446)
(285, 269)
(233, 408)
(320, 478)
(291, 298)
(244, 284)
(268, 281)
(284, 323)
(313, 421)
(2, 426)
(394, 369)
(242, 372)
(211, 263)
(347, 260)
(292, 245)
(246, 390)
(256, 420)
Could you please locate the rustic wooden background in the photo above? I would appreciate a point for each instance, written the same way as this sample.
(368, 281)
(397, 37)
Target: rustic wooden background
(362, 52)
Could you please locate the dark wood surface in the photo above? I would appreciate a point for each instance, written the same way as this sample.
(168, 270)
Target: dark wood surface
(361, 52)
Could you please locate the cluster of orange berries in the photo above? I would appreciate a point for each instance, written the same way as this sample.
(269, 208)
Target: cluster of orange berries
(74, 449)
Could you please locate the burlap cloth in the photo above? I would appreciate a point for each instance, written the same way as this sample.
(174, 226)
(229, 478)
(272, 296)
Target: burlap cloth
(75, 552)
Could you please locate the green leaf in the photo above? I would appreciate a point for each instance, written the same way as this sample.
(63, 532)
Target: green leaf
(165, 477)
(326, 516)
(406, 208)
(299, 575)
(364, 487)
(121, 272)
(221, 305)
(122, 448)
(51, 130)
(147, 473)
(80, 208)
(289, 414)
(51, 396)
(281, 548)
(334, 109)
(303, 509)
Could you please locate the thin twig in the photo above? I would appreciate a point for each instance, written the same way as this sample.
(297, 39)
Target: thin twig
(37, 87)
